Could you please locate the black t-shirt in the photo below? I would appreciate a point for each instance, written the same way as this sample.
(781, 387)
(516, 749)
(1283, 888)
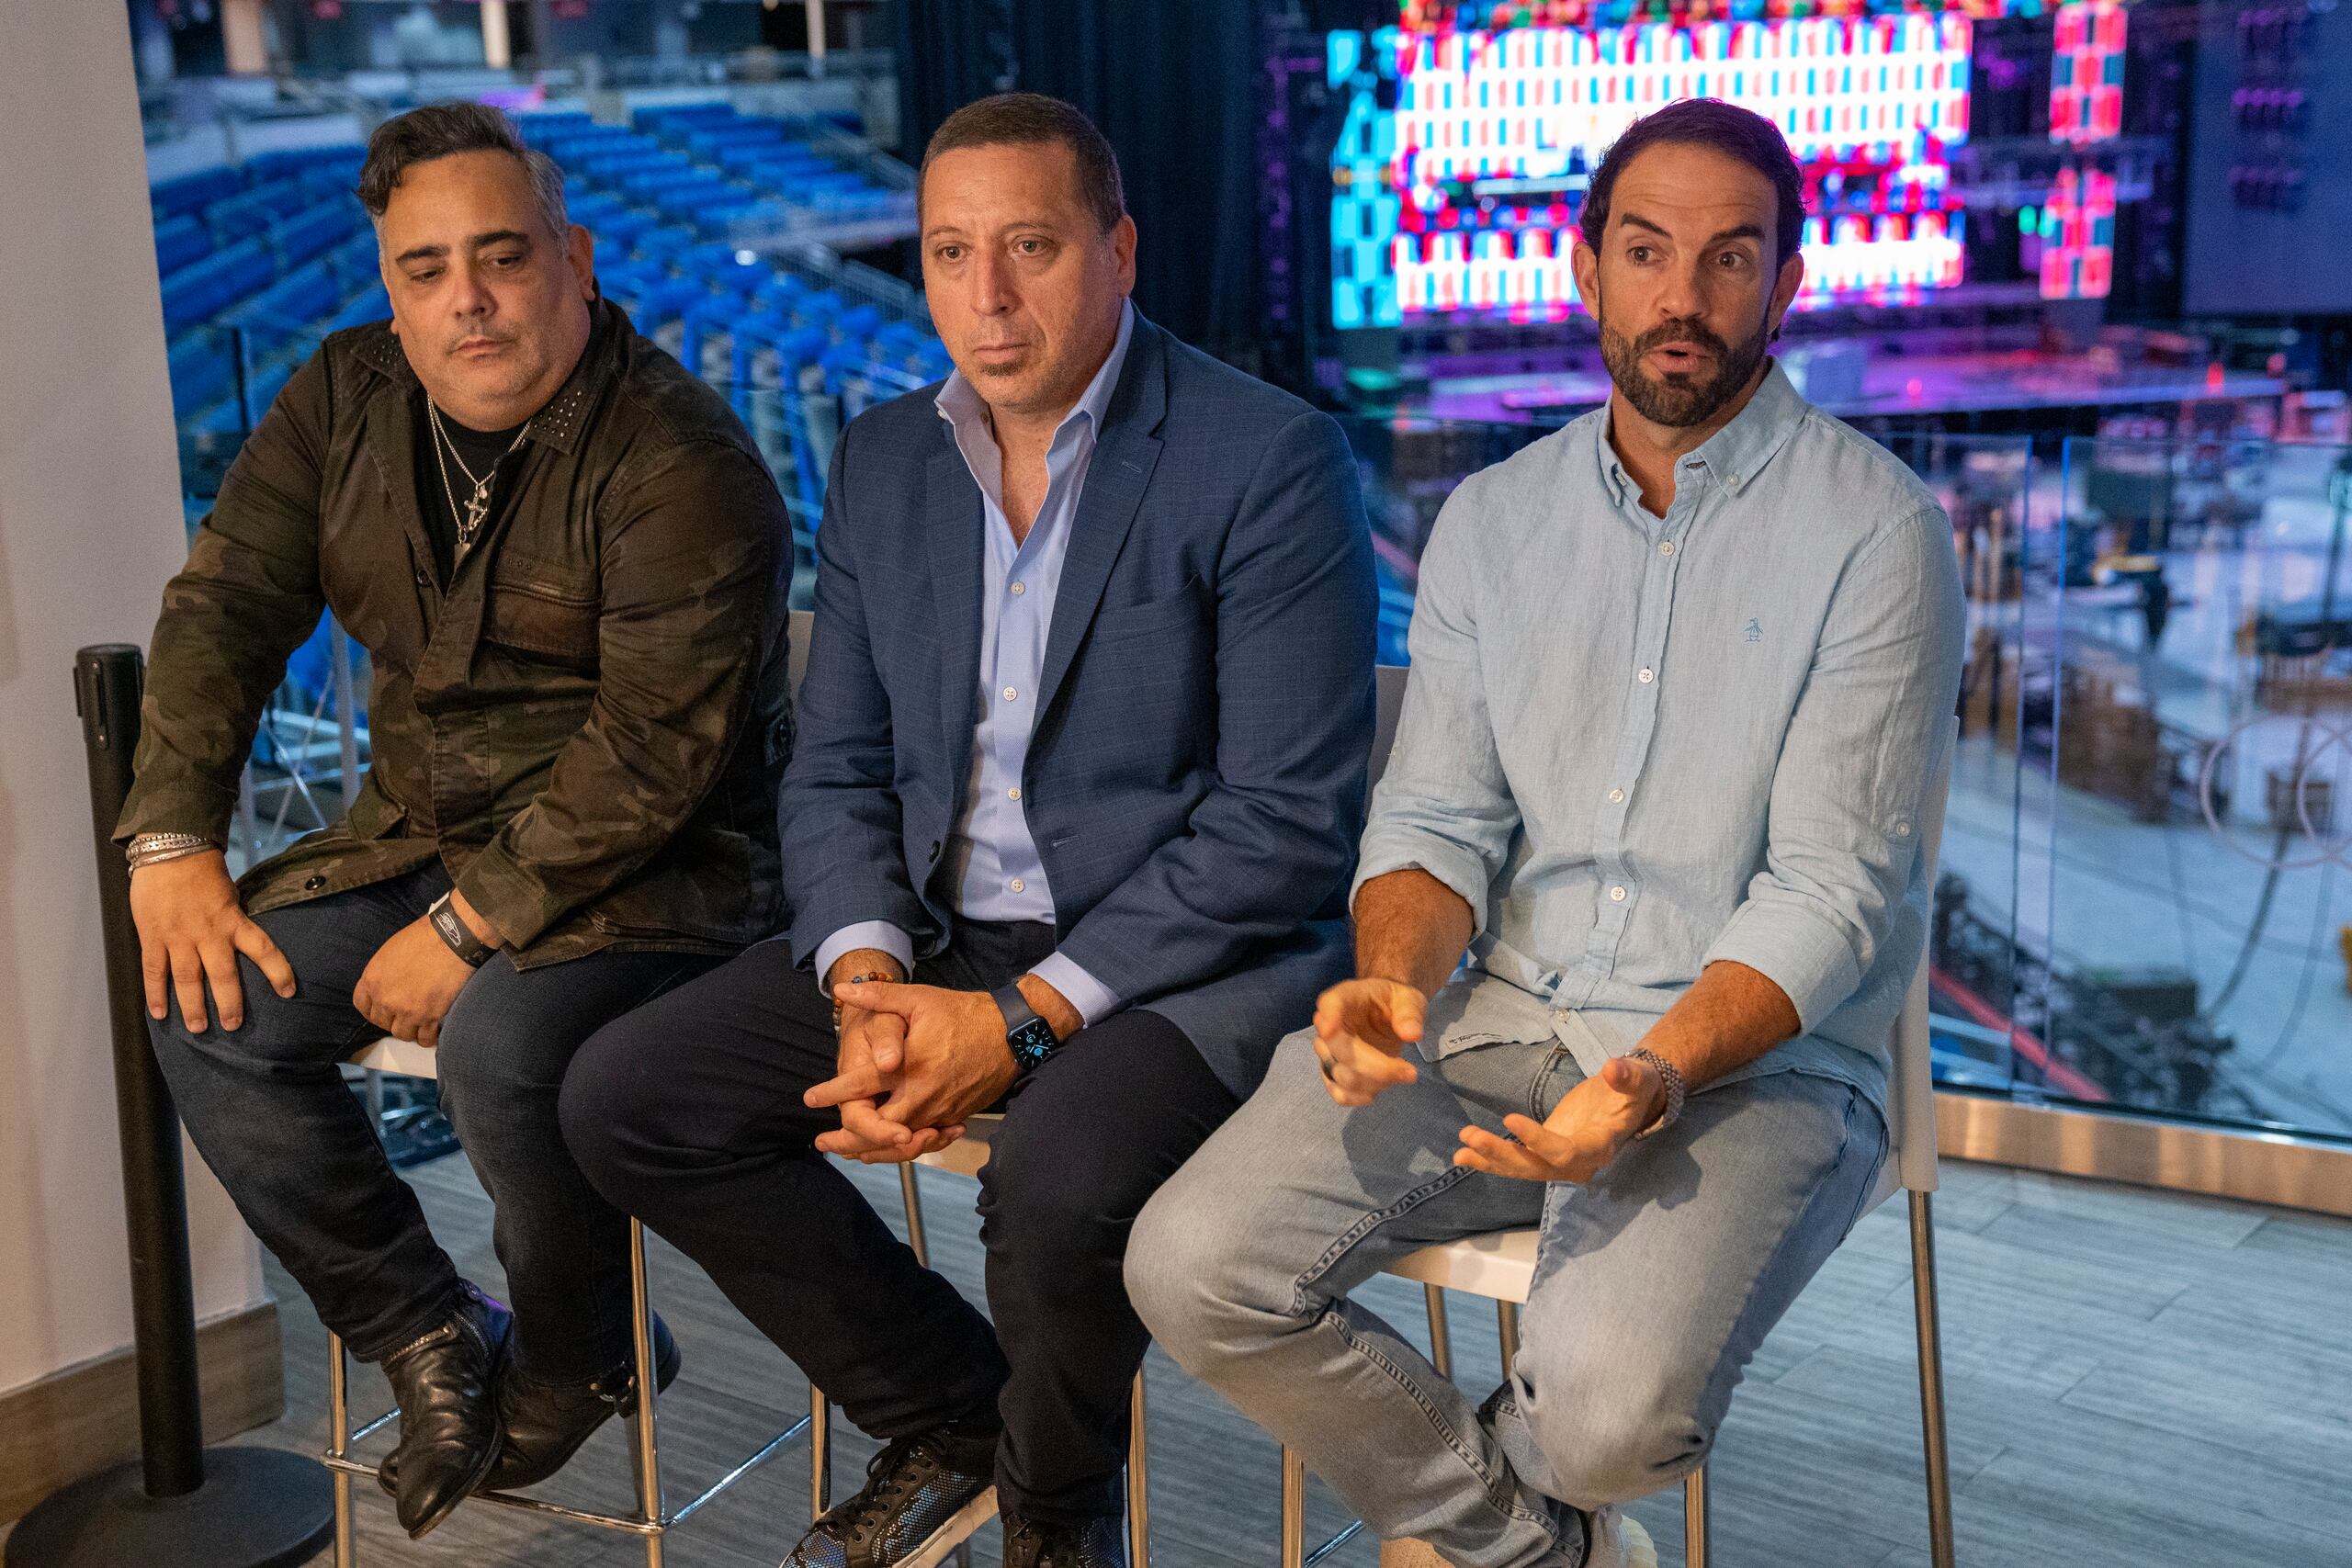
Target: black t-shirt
(485, 452)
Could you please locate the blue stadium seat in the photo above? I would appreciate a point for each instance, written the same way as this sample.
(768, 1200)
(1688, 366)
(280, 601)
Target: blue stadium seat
(296, 240)
(236, 217)
(191, 193)
(199, 290)
(179, 240)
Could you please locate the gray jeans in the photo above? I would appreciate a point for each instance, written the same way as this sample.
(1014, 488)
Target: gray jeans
(1654, 1285)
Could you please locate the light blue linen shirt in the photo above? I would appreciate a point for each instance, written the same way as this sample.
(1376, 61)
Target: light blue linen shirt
(992, 857)
(1636, 745)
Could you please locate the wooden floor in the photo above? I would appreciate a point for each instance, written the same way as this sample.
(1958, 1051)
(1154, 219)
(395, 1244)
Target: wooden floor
(2137, 1381)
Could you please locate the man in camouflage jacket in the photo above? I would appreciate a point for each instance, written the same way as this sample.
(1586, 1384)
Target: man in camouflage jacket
(570, 568)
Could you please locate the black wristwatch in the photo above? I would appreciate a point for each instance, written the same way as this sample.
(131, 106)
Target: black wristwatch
(453, 930)
(1032, 1039)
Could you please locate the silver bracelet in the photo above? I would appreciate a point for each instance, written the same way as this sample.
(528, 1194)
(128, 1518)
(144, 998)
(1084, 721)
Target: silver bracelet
(154, 849)
(1672, 1076)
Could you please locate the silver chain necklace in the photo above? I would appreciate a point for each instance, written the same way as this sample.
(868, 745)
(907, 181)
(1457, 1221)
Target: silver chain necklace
(476, 510)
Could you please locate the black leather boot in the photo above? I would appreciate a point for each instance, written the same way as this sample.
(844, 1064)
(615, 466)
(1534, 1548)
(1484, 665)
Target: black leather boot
(446, 1385)
(545, 1422)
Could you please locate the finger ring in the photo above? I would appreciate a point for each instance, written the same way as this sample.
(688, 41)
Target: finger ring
(1324, 1063)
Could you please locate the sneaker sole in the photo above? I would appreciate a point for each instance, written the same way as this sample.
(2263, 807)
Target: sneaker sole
(961, 1526)
(1640, 1550)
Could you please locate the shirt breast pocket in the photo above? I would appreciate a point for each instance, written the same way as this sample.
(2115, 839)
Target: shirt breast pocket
(541, 611)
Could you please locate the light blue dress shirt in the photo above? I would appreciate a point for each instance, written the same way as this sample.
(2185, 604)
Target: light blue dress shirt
(1637, 744)
(995, 860)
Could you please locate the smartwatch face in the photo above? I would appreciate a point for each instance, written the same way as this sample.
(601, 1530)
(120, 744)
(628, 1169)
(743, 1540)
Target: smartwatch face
(1031, 1043)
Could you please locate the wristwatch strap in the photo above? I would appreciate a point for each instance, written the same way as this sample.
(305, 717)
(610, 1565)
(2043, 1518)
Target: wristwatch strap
(452, 928)
(1032, 1039)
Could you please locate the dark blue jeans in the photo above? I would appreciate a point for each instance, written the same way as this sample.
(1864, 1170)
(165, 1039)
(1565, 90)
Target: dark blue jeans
(273, 1118)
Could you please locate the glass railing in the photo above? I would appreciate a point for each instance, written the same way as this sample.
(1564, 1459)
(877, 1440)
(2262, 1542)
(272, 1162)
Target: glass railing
(2187, 862)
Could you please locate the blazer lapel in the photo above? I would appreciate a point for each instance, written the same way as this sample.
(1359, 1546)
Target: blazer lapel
(1125, 455)
(952, 517)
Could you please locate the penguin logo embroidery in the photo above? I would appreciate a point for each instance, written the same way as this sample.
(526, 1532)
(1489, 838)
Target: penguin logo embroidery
(1755, 629)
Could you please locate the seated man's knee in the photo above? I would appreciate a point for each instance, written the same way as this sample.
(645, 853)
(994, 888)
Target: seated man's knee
(1610, 1432)
(614, 1112)
(274, 1032)
(1191, 1277)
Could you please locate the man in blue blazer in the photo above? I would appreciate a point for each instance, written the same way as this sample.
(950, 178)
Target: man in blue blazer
(1067, 834)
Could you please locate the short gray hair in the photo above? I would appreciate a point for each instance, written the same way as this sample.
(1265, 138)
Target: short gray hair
(442, 130)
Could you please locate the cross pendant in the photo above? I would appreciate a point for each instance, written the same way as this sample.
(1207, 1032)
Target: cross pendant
(477, 509)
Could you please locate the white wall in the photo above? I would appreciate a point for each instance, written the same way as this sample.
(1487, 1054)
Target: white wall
(89, 529)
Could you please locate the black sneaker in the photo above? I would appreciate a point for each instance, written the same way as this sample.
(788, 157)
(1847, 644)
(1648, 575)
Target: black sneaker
(1099, 1542)
(922, 1496)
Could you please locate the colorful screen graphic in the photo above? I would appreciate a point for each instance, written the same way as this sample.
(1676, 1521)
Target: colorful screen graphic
(1472, 130)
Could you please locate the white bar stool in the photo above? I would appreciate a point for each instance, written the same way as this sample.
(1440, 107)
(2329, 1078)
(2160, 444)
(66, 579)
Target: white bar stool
(653, 1520)
(1500, 1266)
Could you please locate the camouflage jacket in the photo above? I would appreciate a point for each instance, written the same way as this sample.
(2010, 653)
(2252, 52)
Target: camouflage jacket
(582, 727)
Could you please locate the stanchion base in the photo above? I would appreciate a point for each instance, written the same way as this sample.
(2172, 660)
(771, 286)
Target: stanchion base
(257, 1508)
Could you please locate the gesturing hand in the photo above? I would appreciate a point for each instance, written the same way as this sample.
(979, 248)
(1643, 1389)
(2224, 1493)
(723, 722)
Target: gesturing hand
(954, 1062)
(1360, 1030)
(1589, 1128)
(191, 929)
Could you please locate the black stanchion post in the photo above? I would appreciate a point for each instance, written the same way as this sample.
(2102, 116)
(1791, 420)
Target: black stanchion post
(246, 1507)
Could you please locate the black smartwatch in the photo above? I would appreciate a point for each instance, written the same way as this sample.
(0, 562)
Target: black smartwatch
(453, 930)
(1032, 1038)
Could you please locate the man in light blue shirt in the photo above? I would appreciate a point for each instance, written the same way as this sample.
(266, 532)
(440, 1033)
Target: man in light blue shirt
(1682, 674)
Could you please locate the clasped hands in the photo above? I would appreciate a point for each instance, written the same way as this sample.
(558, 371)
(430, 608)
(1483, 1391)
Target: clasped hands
(1361, 1028)
(915, 1062)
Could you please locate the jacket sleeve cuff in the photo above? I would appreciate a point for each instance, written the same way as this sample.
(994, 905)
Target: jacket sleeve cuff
(1094, 1000)
(1798, 950)
(508, 897)
(881, 935)
(1461, 870)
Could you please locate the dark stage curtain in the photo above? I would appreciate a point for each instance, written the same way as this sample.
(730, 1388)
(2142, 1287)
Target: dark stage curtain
(1173, 83)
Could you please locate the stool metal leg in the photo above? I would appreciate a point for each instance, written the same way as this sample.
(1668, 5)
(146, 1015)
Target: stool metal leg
(1138, 1481)
(1931, 1380)
(339, 1447)
(1293, 1510)
(644, 1434)
(1695, 1534)
(820, 1452)
(1507, 1331)
(912, 1193)
(1440, 1341)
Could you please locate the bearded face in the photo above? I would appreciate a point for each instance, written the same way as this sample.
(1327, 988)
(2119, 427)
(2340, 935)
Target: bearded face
(1696, 372)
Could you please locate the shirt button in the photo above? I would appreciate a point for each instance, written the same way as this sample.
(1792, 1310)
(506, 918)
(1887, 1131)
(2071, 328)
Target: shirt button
(1018, 589)
(1667, 548)
(1012, 794)
(1902, 829)
(1018, 886)
(1009, 693)
(1616, 796)
(1647, 677)
(312, 884)
(1617, 895)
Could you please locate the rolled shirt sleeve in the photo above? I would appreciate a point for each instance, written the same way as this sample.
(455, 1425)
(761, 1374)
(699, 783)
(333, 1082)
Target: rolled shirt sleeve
(1843, 824)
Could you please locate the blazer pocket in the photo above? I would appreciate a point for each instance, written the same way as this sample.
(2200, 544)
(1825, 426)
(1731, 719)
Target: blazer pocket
(555, 620)
(1153, 617)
